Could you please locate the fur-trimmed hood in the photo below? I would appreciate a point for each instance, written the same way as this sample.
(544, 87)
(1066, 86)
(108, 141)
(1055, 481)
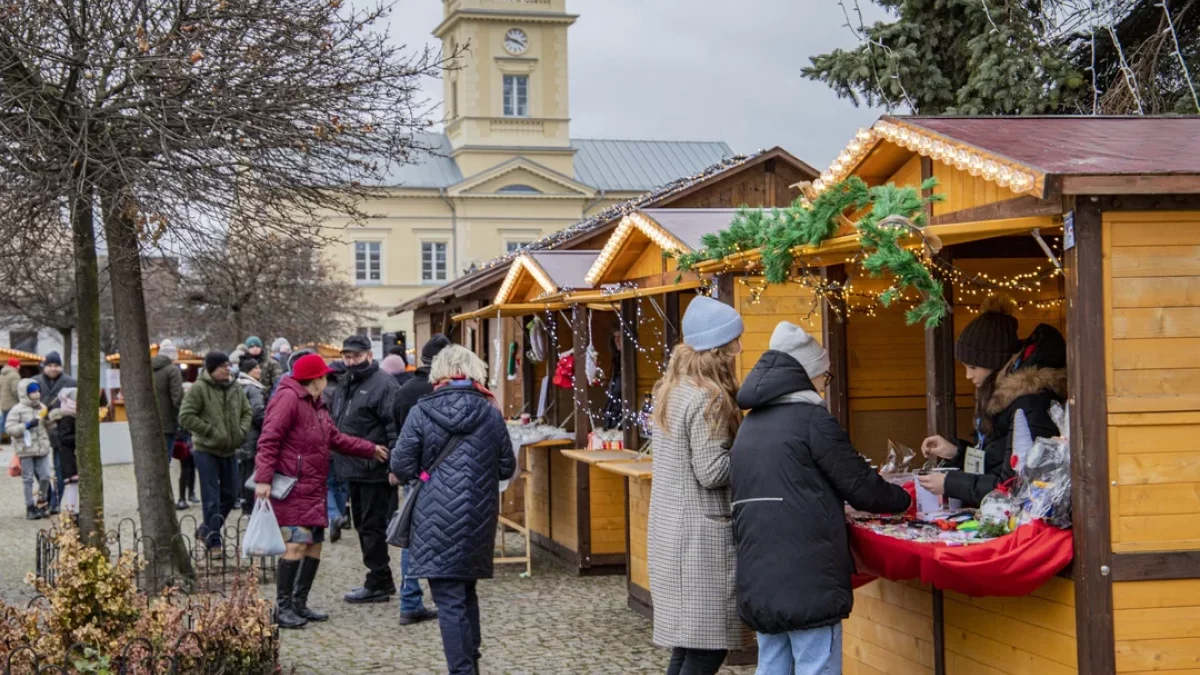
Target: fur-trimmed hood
(1011, 386)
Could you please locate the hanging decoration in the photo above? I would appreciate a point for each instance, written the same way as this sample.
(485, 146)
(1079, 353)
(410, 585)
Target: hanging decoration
(892, 219)
(537, 340)
(514, 361)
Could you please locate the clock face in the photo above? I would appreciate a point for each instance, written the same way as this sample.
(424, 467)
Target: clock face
(516, 41)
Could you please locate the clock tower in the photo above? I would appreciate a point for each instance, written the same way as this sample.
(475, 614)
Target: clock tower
(508, 94)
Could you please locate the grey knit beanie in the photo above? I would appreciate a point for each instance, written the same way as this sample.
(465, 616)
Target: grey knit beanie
(708, 324)
(798, 344)
(990, 340)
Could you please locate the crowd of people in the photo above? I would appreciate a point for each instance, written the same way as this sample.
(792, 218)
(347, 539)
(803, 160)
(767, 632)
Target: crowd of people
(746, 525)
(747, 510)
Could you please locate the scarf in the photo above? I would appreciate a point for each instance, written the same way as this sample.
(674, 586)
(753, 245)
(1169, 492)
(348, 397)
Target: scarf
(464, 381)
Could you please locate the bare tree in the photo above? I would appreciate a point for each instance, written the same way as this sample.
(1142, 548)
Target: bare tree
(42, 292)
(281, 287)
(169, 119)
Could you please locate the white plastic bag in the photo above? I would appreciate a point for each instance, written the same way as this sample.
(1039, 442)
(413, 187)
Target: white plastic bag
(262, 537)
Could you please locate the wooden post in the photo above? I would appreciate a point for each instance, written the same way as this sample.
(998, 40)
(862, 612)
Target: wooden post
(629, 397)
(724, 284)
(1083, 266)
(583, 425)
(941, 413)
(835, 322)
(528, 386)
(671, 331)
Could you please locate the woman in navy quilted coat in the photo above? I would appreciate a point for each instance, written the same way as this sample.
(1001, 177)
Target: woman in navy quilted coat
(296, 440)
(454, 518)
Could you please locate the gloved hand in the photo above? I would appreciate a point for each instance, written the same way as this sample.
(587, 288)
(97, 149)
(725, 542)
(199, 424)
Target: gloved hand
(31, 423)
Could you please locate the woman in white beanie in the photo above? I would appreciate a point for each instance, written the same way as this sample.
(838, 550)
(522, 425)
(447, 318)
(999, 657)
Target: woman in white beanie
(793, 468)
(690, 552)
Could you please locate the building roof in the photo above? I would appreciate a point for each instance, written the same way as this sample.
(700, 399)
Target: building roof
(690, 225)
(613, 166)
(566, 268)
(641, 165)
(1076, 145)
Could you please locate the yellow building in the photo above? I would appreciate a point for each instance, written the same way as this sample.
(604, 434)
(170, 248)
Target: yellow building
(505, 171)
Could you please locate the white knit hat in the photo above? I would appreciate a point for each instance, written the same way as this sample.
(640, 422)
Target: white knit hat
(167, 348)
(796, 343)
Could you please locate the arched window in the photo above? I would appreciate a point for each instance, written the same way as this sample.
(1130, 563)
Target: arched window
(519, 189)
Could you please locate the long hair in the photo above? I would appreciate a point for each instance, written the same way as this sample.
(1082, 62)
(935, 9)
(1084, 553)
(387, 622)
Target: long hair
(983, 395)
(713, 371)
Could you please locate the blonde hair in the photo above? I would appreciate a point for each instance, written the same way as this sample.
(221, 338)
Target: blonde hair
(711, 370)
(457, 361)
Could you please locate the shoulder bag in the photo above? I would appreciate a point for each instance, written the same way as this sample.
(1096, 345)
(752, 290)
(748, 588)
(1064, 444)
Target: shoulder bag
(400, 526)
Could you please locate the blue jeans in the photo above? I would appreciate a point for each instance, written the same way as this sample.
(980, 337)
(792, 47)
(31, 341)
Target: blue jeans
(335, 497)
(170, 438)
(817, 651)
(218, 491)
(458, 617)
(412, 598)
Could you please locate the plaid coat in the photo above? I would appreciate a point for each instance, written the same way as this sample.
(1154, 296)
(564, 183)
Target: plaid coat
(690, 549)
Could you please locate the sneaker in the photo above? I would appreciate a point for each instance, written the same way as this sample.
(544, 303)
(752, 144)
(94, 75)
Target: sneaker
(182, 505)
(423, 614)
(344, 522)
(363, 595)
(192, 498)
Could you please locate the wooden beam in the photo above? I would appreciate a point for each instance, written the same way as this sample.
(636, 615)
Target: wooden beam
(1162, 202)
(671, 330)
(1019, 207)
(1157, 566)
(629, 372)
(1087, 404)
(1131, 185)
(835, 322)
(583, 425)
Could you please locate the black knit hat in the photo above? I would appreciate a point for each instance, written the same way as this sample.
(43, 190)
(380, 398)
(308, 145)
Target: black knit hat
(990, 340)
(436, 344)
(247, 364)
(214, 360)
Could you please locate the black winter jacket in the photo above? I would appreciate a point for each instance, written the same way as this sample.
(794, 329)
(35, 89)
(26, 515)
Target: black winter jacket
(792, 469)
(66, 447)
(363, 404)
(454, 518)
(417, 387)
(1030, 389)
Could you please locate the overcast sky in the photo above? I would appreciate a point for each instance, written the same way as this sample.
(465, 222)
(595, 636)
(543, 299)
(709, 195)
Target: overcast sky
(695, 70)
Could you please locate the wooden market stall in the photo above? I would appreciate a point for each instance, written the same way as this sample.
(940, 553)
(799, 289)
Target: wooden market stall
(30, 363)
(189, 363)
(1116, 203)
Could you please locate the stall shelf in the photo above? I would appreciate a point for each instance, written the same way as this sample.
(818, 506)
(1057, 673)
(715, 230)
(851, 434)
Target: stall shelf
(1114, 202)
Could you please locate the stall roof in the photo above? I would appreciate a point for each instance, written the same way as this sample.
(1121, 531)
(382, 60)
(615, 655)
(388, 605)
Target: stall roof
(494, 270)
(671, 229)
(552, 271)
(1036, 156)
(26, 358)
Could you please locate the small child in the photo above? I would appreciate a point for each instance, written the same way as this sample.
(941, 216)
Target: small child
(26, 426)
(66, 412)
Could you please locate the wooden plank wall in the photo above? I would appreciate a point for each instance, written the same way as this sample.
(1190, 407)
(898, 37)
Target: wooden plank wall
(1153, 358)
(1014, 636)
(606, 497)
(1157, 626)
(564, 488)
(890, 630)
(779, 302)
(537, 517)
(962, 190)
(639, 516)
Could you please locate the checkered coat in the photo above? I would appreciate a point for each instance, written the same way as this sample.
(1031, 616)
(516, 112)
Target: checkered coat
(690, 549)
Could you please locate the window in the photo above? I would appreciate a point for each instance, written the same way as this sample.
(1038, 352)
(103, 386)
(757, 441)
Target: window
(23, 340)
(368, 262)
(375, 333)
(433, 261)
(519, 189)
(516, 246)
(516, 96)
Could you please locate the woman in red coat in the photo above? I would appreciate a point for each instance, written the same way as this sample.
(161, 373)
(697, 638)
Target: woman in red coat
(296, 439)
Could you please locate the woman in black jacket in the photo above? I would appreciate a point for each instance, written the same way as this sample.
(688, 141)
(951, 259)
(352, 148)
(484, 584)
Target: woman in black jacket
(793, 468)
(1009, 376)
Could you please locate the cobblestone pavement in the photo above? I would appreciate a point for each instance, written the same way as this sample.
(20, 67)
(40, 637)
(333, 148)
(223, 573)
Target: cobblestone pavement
(551, 623)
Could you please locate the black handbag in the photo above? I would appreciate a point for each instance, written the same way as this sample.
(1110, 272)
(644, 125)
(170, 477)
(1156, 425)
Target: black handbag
(400, 526)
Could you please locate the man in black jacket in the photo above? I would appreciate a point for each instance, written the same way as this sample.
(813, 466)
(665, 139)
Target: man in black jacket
(412, 599)
(792, 469)
(363, 405)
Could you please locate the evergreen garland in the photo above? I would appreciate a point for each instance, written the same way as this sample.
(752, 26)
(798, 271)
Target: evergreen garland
(896, 214)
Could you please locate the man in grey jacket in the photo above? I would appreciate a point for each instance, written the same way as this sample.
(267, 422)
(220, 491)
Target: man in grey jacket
(363, 404)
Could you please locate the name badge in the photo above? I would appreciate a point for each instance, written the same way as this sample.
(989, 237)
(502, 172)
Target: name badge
(974, 461)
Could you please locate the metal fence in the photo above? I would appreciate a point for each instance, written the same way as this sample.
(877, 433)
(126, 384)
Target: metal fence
(213, 570)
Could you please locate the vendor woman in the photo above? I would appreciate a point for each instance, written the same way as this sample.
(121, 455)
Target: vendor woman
(1009, 375)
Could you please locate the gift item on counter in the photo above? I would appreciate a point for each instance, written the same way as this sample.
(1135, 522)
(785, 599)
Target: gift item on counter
(606, 440)
(998, 513)
(947, 529)
(899, 459)
(1044, 480)
(929, 503)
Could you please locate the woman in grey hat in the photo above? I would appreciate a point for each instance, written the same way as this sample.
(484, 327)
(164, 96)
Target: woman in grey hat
(690, 548)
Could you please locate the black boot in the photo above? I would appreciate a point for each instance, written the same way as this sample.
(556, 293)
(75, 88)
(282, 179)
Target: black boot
(182, 503)
(304, 582)
(285, 585)
(32, 513)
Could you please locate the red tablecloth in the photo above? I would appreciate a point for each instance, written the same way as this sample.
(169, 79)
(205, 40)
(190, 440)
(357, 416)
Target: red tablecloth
(1015, 564)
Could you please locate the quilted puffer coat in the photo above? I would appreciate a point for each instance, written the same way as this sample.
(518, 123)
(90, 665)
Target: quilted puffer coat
(21, 414)
(454, 518)
(296, 439)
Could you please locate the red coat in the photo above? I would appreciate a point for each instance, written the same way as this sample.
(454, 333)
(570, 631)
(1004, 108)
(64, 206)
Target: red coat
(296, 439)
